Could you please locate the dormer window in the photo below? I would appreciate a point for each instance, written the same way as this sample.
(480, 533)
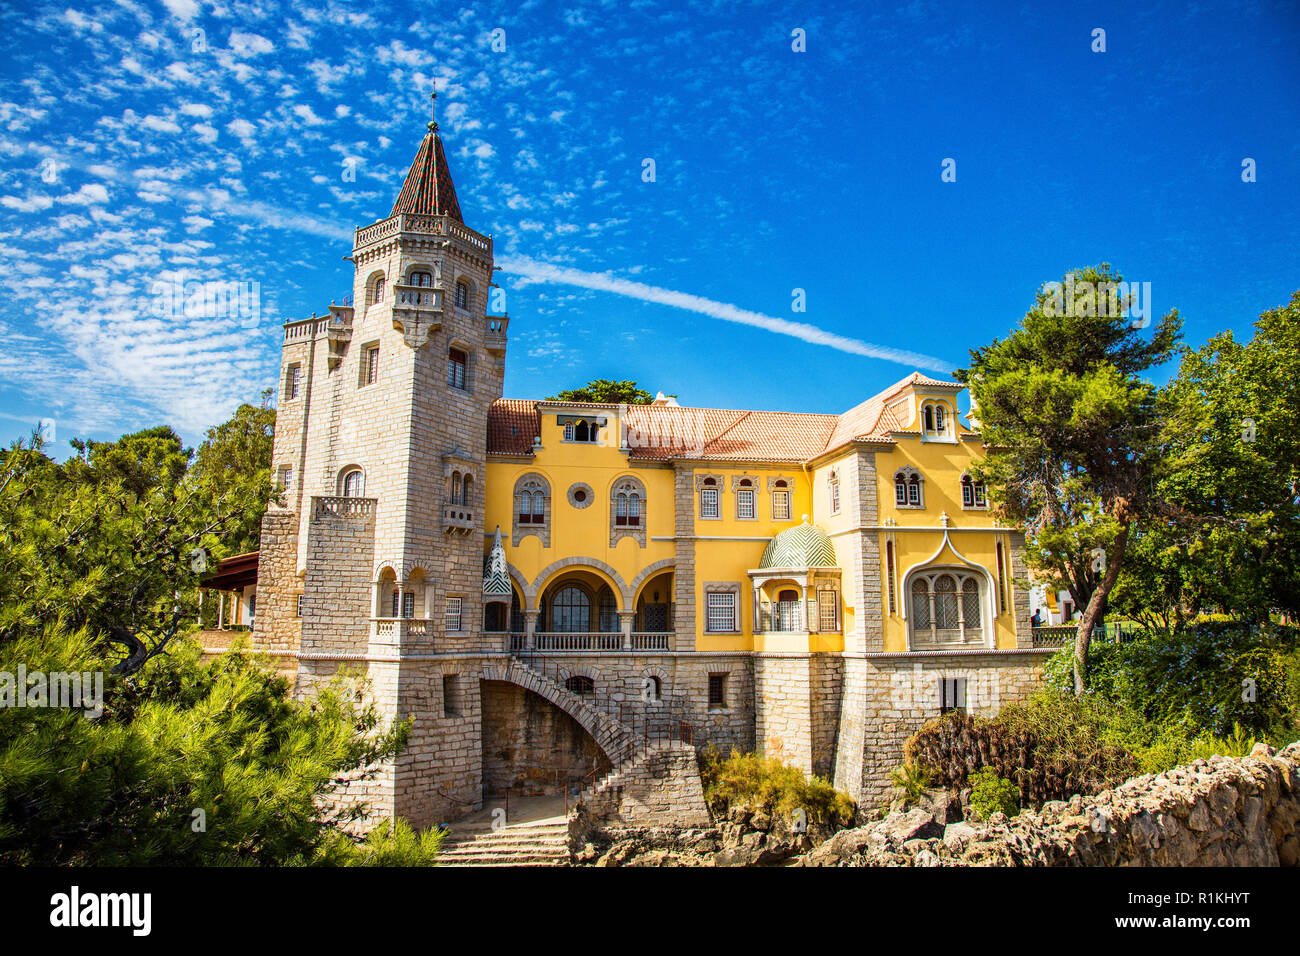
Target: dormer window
(935, 420)
(579, 429)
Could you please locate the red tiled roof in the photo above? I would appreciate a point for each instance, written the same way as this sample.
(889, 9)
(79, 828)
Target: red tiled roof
(428, 188)
(662, 432)
(513, 423)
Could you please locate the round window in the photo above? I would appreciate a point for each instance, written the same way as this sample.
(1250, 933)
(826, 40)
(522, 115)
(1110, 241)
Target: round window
(579, 495)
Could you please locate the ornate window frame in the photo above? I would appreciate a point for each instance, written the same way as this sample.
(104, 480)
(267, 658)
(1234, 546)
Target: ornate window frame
(537, 484)
(739, 485)
(345, 476)
(588, 496)
(926, 599)
(700, 486)
(937, 419)
(777, 484)
(632, 489)
(910, 480)
(835, 503)
(724, 587)
(979, 493)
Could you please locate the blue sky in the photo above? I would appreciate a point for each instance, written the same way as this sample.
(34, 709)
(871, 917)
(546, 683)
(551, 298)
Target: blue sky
(150, 140)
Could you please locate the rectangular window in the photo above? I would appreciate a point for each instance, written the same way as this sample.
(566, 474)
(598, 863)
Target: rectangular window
(285, 478)
(393, 609)
(780, 505)
(291, 385)
(708, 502)
(408, 605)
(900, 492)
(835, 496)
(952, 694)
(745, 503)
(981, 498)
(453, 614)
(913, 492)
(721, 611)
(717, 691)
(300, 605)
(456, 362)
(828, 610)
(370, 365)
(967, 495)
(451, 695)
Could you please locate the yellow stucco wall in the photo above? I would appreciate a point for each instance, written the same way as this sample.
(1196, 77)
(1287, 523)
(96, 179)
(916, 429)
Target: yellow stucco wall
(728, 547)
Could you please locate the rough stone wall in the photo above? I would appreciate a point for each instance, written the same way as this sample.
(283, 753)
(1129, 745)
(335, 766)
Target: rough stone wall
(888, 697)
(439, 775)
(1019, 585)
(660, 788)
(783, 715)
(278, 629)
(530, 746)
(1216, 812)
(684, 558)
(827, 677)
(337, 589)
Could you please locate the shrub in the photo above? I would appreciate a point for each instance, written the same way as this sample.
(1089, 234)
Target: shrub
(1051, 748)
(991, 793)
(911, 778)
(768, 784)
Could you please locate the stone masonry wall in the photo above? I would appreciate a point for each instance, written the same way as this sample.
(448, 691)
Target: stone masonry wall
(531, 746)
(661, 788)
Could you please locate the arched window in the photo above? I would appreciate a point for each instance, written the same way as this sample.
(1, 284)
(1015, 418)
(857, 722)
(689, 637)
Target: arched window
(781, 501)
(900, 489)
(652, 688)
(745, 499)
(973, 493)
(379, 290)
(353, 483)
(582, 432)
(457, 361)
(927, 414)
(914, 491)
(423, 280)
(935, 419)
(455, 487)
(627, 505)
(462, 295)
(939, 424)
(568, 431)
(571, 610)
(465, 498)
(580, 684)
(530, 502)
(945, 608)
(709, 498)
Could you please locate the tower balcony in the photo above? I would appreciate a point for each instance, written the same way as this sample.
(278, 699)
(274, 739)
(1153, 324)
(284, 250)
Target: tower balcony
(417, 312)
(420, 226)
(494, 339)
(458, 519)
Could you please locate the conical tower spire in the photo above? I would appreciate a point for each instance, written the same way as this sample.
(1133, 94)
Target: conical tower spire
(428, 189)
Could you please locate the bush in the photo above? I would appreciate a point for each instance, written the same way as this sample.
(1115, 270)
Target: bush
(911, 778)
(1193, 682)
(1051, 748)
(991, 793)
(767, 784)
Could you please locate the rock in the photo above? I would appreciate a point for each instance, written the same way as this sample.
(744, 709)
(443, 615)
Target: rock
(997, 819)
(957, 835)
(898, 828)
(943, 805)
(925, 858)
(1262, 749)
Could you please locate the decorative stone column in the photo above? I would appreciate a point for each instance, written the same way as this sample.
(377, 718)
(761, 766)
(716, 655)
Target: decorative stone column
(530, 628)
(626, 620)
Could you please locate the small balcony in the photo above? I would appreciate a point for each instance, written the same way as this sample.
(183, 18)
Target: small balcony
(495, 336)
(458, 519)
(401, 629)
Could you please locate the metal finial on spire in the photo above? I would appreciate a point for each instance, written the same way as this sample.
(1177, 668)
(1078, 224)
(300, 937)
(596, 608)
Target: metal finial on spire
(433, 120)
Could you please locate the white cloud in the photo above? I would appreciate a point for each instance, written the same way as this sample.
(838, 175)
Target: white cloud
(534, 271)
(182, 9)
(249, 44)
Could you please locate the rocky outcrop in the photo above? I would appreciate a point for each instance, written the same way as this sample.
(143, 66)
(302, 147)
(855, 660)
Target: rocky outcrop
(1216, 812)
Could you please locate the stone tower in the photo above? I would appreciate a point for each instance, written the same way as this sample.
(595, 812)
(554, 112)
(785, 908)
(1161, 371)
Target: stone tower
(376, 559)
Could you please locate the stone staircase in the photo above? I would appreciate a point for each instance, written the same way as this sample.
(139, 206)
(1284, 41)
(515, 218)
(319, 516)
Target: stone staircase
(541, 842)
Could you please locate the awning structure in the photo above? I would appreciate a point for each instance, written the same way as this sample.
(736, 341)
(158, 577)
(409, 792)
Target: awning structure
(234, 573)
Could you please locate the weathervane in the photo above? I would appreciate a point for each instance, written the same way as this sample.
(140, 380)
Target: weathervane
(433, 121)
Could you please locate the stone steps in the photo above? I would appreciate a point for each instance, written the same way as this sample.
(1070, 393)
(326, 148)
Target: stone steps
(524, 844)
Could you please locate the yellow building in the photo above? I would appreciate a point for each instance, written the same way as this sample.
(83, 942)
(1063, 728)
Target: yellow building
(554, 590)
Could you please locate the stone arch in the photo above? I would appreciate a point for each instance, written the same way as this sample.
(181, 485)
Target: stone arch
(614, 579)
(648, 572)
(613, 739)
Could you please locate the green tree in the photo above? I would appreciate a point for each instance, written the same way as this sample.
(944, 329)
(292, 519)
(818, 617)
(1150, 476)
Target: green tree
(606, 392)
(238, 453)
(1072, 433)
